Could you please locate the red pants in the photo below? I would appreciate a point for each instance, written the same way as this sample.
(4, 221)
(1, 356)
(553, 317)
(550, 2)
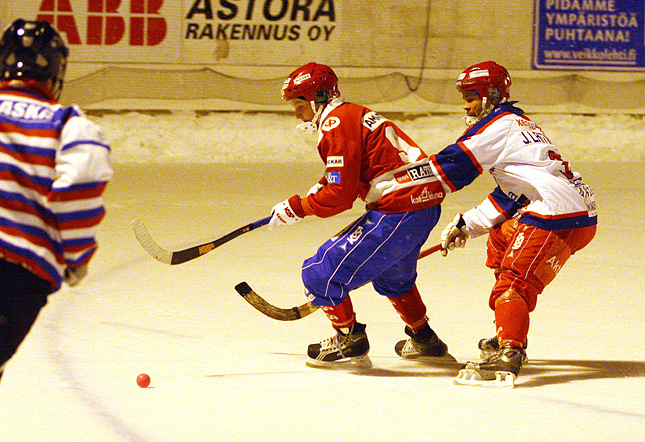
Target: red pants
(526, 259)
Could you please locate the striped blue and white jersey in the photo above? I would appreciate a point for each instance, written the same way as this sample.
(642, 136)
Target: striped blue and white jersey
(532, 177)
(54, 166)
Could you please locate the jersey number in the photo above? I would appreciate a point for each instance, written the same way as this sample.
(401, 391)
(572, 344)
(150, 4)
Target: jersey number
(567, 170)
(407, 153)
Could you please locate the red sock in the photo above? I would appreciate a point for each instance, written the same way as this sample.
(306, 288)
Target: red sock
(411, 308)
(341, 315)
(512, 320)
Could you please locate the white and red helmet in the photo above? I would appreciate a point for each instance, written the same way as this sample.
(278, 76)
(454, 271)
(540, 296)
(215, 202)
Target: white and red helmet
(489, 79)
(313, 82)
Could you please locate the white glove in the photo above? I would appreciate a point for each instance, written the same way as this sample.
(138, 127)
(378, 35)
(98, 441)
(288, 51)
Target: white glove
(283, 215)
(453, 235)
(74, 276)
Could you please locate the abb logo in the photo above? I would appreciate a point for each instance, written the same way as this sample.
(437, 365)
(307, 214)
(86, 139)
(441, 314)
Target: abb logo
(105, 25)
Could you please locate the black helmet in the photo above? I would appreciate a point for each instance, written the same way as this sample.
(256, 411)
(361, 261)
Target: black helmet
(33, 50)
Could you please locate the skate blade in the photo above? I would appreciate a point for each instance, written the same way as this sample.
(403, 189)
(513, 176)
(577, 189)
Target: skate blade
(503, 379)
(430, 360)
(355, 363)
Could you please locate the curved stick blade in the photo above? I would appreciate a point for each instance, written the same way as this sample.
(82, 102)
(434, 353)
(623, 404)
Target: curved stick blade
(149, 244)
(281, 314)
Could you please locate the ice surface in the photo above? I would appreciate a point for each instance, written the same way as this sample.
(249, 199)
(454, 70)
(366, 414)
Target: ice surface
(223, 372)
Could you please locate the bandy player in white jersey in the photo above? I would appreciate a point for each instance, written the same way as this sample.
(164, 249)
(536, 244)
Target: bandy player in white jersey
(539, 214)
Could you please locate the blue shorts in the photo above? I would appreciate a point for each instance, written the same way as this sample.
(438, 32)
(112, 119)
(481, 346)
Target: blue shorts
(379, 248)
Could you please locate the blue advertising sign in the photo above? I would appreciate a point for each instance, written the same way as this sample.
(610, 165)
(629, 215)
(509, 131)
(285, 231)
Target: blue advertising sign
(589, 34)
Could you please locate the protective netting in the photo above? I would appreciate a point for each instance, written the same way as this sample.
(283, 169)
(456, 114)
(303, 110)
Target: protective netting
(558, 93)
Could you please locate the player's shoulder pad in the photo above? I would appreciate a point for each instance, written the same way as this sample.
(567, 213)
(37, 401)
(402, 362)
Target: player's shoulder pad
(372, 120)
(80, 127)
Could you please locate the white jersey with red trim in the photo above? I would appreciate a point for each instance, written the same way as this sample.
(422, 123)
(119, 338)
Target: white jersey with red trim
(54, 166)
(532, 177)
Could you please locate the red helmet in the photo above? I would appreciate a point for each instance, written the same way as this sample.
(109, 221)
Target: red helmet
(313, 82)
(489, 79)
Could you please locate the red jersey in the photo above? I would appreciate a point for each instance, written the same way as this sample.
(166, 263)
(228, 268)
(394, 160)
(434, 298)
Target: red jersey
(369, 157)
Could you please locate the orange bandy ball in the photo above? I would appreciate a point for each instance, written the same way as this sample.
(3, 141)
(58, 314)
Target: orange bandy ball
(143, 380)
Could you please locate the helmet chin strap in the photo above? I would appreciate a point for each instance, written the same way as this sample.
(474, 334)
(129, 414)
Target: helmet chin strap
(469, 120)
(487, 106)
(311, 127)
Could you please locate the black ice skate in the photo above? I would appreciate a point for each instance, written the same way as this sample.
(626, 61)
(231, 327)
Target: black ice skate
(424, 342)
(499, 370)
(347, 349)
(491, 345)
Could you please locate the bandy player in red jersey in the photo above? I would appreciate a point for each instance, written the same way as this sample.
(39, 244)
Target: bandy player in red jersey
(366, 156)
(540, 213)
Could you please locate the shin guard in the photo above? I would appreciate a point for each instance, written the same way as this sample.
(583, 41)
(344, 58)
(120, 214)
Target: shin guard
(341, 315)
(411, 308)
(512, 319)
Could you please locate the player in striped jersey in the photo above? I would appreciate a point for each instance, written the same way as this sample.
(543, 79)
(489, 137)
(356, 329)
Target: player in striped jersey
(54, 166)
(540, 213)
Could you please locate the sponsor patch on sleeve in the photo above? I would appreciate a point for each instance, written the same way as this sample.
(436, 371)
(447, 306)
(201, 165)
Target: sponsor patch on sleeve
(335, 161)
(372, 120)
(333, 177)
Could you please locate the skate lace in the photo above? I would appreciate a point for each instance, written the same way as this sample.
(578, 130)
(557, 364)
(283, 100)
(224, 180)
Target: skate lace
(410, 348)
(333, 343)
